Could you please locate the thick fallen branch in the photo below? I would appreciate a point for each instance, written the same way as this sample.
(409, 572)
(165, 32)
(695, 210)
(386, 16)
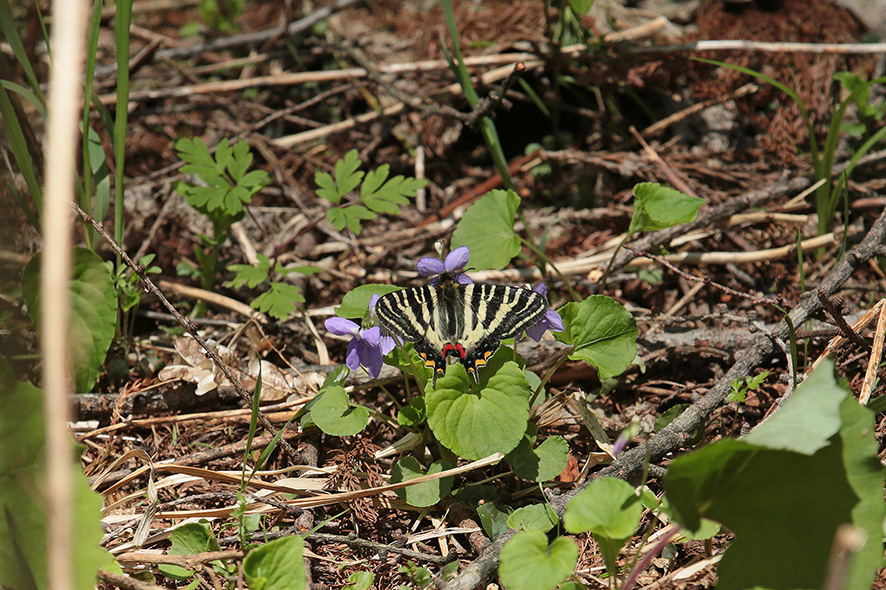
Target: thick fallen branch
(629, 465)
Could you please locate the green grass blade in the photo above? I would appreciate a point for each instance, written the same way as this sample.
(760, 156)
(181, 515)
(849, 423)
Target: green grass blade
(7, 25)
(27, 95)
(122, 21)
(19, 146)
(487, 126)
(253, 423)
(91, 50)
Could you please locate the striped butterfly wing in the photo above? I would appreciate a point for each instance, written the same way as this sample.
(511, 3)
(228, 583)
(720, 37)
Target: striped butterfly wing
(468, 321)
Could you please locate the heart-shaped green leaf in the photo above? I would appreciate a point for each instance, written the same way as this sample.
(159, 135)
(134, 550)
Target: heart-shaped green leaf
(603, 333)
(93, 312)
(479, 423)
(277, 565)
(527, 562)
(535, 517)
(542, 463)
(422, 494)
(333, 414)
(487, 228)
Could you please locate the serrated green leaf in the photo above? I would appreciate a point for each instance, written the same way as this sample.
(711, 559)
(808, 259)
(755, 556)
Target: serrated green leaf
(373, 180)
(327, 188)
(354, 214)
(422, 494)
(336, 216)
(278, 565)
(93, 312)
(333, 414)
(659, 207)
(251, 276)
(785, 497)
(255, 178)
(477, 424)
(347, 174)
(355, 303)
(279, 300)
(527, 562)
(487, 228)
(535, 517)
(388, 197)
(603, 333)
(543, 463)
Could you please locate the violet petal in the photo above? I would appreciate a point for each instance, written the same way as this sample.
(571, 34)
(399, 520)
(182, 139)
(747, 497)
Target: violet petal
(352, 360)
(457, 259)
(371, 335)
(429, 266)
(386, 344)
(463, 279)
(537, 331)
(372, 360)
(554, 321)
(341, 326)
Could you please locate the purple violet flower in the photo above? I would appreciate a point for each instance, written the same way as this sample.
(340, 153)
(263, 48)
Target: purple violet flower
(367, 348)
(551, 320)
(455, 261)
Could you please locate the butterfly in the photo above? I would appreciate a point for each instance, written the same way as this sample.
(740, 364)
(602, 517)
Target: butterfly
(467, 321)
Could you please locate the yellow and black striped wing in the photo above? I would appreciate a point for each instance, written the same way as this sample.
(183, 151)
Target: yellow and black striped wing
(468, 321)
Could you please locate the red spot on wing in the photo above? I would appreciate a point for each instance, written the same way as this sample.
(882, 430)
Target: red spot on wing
(454, 348)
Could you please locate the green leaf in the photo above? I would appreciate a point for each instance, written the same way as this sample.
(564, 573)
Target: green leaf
(279, 300)
(249, 275)
(807, 420)
(607, 507)
(278, 565)
(93, 312)
(354, 215)
(360, 581)
(493, 520)
(539, 464)
(603, 333)
(528, 563)
(355, 303)
(229, 188)
(347, 178)
(188, 539)
(333, 414)
(487, 228)
(786, 489)
(350, 216)
(610, 510)
(658, 207)
(23, 523)
(477, 424)
(422, 494)
(388, 197)
(581, 7)
(535, 517)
